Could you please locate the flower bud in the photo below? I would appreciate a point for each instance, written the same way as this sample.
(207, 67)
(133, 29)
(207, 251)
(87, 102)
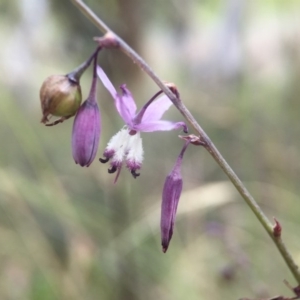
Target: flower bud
(60, 96)
(171, 194)
(87, 127)
(86, 133)
(170, 199)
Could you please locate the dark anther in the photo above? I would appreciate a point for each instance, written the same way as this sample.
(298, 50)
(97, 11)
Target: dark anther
(104, 160)
(134, 174)
(132, 132)
(112, 170)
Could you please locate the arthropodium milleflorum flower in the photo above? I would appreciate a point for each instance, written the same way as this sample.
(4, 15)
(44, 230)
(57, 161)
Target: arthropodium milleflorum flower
(126, 145)
(60, 95)
(87, 127)
(170, 198)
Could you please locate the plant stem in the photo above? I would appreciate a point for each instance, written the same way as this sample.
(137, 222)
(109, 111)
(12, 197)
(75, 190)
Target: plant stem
(210, 147)
(77, 73)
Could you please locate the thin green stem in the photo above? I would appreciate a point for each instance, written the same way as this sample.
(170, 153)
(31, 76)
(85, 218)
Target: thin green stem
(210, 147)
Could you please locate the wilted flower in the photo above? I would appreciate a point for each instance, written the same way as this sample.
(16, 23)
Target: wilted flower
(126, 145)
(170, 198)
(86, 128)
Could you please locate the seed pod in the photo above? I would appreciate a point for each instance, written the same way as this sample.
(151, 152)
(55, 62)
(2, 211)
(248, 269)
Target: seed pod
(60, 96)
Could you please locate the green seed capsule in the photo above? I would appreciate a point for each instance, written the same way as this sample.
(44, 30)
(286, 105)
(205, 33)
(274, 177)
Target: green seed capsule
(60, 96)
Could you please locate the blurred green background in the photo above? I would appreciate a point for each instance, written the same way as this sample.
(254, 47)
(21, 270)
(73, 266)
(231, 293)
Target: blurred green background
(68, 232)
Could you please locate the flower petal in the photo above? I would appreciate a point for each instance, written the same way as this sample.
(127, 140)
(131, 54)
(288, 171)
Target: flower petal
(160, 126)
(156, 109)
(124, 104)
(127, 107)
(107, 83)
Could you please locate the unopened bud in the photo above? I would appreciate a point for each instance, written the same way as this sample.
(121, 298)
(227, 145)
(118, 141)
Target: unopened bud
(87, 127)
(170, 199)
(86, 133)
(277, 229)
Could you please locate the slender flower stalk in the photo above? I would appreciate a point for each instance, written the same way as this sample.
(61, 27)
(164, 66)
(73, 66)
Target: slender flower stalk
(87, 127)
(76, 74)
(170, 199)
(209, 146)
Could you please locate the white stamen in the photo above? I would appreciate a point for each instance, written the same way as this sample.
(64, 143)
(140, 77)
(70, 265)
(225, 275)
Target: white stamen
(124, 146)
(135, 149)
(118, 143)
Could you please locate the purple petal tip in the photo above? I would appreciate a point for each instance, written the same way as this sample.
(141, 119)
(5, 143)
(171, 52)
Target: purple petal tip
(165, 246)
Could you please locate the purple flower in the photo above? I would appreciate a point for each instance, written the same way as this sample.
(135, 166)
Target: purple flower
(170, 198)
(126, 145)
(86, 129)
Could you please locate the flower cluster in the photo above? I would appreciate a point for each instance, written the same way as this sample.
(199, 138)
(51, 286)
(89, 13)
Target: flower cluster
(60, 96)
